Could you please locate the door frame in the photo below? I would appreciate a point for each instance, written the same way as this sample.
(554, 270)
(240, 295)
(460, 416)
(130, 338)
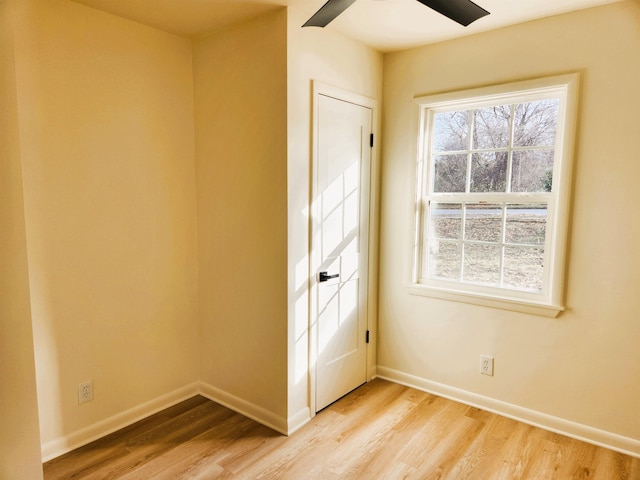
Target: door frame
(320, 88)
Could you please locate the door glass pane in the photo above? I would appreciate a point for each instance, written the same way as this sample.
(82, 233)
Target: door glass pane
(491, 127)
(523, 268)
(444, 260)
(532, 171)
(489, 172)
(482, 263)
(450, 131)
(446, 220)
(534, 123)
(483, 222)
(526, 224)
(450, 173)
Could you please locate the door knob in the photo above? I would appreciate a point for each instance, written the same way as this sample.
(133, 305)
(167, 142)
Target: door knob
(324, 276)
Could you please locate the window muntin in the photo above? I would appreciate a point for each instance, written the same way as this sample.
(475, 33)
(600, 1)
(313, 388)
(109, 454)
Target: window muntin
(497, 245)
(504, 148)
(493, 191)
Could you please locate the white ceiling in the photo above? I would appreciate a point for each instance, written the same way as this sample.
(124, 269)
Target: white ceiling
(386, 25)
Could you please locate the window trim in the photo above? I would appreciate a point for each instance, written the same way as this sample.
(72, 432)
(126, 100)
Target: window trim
(550, 302)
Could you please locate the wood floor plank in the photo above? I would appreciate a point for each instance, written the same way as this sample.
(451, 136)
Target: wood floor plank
(84, 461)
(432, 432)
(360, 443)
(291, 460)
(476, 463)
(381, 431)
(202, 452)
(148, 446)
(388, 462)
(516, 453)
(441, 460)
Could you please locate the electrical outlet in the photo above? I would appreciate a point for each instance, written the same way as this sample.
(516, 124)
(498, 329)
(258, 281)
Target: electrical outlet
(486, 365)
(85, 392)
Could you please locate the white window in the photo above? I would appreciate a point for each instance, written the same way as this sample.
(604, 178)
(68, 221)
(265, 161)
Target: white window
(494, 167)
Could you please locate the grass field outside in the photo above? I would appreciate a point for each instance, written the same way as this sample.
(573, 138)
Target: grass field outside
(504, 252)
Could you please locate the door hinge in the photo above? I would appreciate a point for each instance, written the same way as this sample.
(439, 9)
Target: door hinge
(371, 140)
(367, 338)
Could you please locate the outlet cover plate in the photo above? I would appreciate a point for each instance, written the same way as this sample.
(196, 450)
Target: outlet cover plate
(486, 365)
(85, 392)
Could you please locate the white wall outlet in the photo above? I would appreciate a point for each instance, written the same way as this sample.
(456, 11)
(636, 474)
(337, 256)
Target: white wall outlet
(486, 365)
(85, 392)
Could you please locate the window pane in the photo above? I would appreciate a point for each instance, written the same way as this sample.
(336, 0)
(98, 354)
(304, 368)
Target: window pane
(523, 268)
(491, 128)
(526, 224)
(444, 260)
(535, 123)
(450, 131)
(489, 172)
(532, 171)
(483, 223)
(446, 220)
(450, 173)
(482, 263)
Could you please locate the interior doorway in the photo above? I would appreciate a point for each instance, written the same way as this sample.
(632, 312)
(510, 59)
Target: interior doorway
(343, 141)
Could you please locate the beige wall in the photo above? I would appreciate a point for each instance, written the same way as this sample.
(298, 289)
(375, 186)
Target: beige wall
(106, 126)
(19, 436)
(315, 54)
(241, 162)
(584, 366)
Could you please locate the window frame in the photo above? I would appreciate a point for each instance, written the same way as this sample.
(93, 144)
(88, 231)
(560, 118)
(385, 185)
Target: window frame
(550, 301)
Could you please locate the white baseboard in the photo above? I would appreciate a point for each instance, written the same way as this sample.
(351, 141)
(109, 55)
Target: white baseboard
(299, 420)
(585, 433)
(62, 445)
(243, 407)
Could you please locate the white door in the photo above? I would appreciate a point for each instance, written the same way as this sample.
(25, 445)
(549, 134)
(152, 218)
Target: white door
(340, 246)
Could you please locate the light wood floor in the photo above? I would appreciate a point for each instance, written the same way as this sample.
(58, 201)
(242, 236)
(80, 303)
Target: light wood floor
(379, 431)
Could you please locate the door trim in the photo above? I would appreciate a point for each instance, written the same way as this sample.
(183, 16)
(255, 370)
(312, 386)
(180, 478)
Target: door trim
(320, 88)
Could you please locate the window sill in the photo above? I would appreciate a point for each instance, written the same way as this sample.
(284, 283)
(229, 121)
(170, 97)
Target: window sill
(484, 300)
